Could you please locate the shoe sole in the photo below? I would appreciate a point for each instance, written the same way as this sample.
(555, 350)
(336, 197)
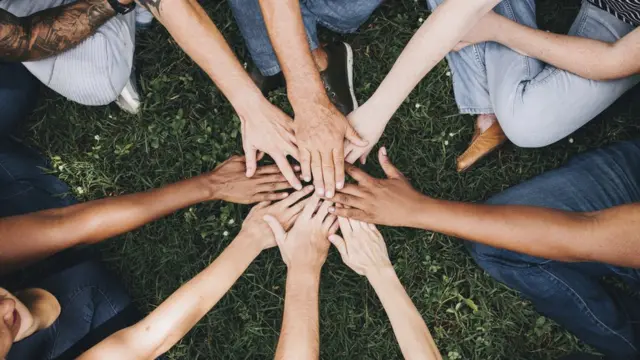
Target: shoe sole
(131, 105)
(350, 75)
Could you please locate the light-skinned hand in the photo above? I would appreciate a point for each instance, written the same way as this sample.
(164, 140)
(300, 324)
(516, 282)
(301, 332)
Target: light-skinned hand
(370, 126)
(362, 248)
(228, 182)
(269, 130)
(389, 201)
(320, 132)
(284, 211)
(306, 245)
(484, 30)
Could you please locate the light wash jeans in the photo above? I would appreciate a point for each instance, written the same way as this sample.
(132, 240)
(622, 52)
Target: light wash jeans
(92, 73)
(572, 294)
(343, 16)
(535, 103)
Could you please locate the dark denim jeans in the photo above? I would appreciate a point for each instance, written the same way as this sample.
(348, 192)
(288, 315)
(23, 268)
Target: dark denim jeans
(573, 294)
(94, 302)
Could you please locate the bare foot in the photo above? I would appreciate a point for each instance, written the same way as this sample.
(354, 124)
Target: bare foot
(321, 58)
(484, 122)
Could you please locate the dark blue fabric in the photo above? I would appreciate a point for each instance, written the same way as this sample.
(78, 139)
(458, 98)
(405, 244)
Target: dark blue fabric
(94, 302)
(573, 294)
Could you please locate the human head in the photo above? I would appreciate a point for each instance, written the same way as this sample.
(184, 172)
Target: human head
(16, 321)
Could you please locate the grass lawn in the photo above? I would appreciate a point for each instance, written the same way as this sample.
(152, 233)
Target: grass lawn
(186, 127)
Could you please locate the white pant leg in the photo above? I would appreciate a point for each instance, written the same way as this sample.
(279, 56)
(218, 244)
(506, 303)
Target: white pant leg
(95, 71)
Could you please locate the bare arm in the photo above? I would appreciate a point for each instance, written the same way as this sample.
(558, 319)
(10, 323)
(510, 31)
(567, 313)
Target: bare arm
(169, 322)
(51, 31)
(31, 237)
(591, 59)
(364, 251)
(611, 236)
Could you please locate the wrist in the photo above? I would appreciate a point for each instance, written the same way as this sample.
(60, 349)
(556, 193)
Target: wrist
(308, 94)
(248, 102)
(381, 275)
(419, 210)
(309, 269)
(250, 242)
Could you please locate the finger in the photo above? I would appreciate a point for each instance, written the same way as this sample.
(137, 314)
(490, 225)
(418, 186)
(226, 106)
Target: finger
(391, 171)
(359, 175)
(353, 190)
(310, 207)
(276, 228)
(356, 225)
(287, 171)
(351, 214)
(262, 205)
(305, 164)
(323, 211)
(363, 158)
(351, 155)
(270, 196)
(250, 160)
(293, 151)
(338, 163)
(348, 200)
(296, 196)
(271, 178)
(316, 170)
(353, 136)
(296, 209)
(328, 174)
(328, 222)
(340, 244)
(268, 170)
(260, 155)
(334, 228)
(271, 187)
(345, 226)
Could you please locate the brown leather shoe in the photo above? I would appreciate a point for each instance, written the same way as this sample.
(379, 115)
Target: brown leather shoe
(481, 145)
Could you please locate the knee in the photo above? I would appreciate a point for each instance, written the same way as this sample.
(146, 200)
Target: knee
(528, 128)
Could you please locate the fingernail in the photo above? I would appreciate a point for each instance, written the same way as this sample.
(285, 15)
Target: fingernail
(329, 194)
(332, 209)
(284, 195)
(384, 151)
(320, 191)
(298, 187)
(307, 179)
(296, 168)
(340, 185)
(309, 188)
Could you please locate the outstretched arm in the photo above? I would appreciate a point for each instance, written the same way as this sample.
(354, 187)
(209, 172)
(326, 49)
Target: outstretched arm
(611, 236)
(365, 252)
(591, 59)
(31, 237)
(51, 31)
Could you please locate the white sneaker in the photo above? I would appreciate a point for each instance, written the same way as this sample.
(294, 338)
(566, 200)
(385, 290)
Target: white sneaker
(129, 99)
(144, 18)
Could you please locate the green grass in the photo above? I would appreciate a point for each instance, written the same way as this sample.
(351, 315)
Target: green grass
(186, 127)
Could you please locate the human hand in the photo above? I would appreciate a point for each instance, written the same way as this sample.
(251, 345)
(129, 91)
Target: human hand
(306, 245)
(484, 30)
(267, 129)
(320, 131)
(370, 127)
(363, 248)
(284, 211)
(228, 182)
(391, 201)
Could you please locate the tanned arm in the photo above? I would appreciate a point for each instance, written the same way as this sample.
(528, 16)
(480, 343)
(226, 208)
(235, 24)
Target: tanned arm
(611, 236)
(51, 31)
(591, 59)
(31, 237)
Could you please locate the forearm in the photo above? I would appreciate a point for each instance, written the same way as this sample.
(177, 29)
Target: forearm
(51, 31)
(171, 321)
(442, 30)
(28, 238)
(299, 338)
(288, 36)
(591, 59)
(198, 36)
(611, 236)
(410, 329)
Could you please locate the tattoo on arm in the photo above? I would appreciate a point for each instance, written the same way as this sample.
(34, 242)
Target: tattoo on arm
(151, 5)
(51, 31)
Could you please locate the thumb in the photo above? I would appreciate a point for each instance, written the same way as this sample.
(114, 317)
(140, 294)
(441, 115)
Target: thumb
(276, 228)
(339, 243)
(251, 161)
(353, 136)
(389, 169)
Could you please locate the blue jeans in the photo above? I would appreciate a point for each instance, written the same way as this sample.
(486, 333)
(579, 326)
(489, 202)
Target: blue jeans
(535, 103)
(573, 294)
(343, 16)
(18, 95)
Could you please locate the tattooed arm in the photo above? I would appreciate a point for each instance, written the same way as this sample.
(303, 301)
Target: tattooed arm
(51, 31)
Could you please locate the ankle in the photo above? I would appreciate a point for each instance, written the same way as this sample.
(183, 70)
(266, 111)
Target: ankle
(321, 58)
(484, 121)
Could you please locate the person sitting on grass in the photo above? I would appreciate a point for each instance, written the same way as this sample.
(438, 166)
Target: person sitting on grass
(551, 238)
(304, 249)
(533, 95)
(58, 299)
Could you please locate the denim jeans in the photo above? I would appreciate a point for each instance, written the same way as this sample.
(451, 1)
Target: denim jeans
(94, 302)
(535, 103)
(343, 16)
(573, 294)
